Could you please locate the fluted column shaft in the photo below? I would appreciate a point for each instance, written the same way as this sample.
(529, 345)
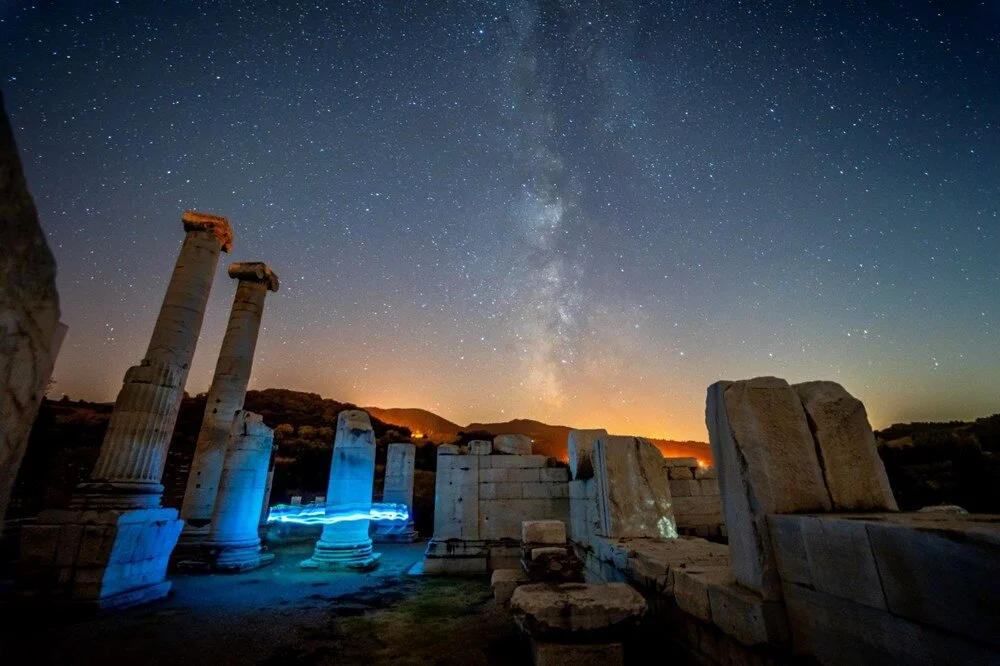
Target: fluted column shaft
(226, 395)
(133, 454)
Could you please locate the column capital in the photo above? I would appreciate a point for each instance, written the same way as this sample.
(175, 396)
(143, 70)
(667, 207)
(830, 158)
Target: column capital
(214, 224)
(254, 271)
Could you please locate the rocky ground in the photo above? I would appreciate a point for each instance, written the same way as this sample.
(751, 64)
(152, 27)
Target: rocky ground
(281, 615)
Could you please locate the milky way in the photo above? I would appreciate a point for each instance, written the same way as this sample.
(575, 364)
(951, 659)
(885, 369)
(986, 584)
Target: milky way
(580, 212)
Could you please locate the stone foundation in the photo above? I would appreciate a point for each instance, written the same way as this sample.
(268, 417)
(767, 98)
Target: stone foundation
(97, 558)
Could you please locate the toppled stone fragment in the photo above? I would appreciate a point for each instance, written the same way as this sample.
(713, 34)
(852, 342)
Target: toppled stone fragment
(480, 447)
(516, 445)
(633, 491)
(543, 532)
(574, 610)
(504, 582)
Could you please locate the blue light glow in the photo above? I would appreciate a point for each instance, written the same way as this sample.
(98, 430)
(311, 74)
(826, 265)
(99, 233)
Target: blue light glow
(318, 514)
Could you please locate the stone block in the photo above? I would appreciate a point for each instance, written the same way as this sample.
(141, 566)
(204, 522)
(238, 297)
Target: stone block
(543, 532)
(504, 582)
(691, 589)
(840, 559)
(632, 489)
(576, 609)
(704, 504)
(454, 566)
(766, 462)
(491, 491)
(443, 450)
(580, 445)
(581, 489)
(539, 490)
(577, 654)
(515, 461)
(479, 447)
(789, 549)
(518, 445)
(943, 573)
(747, 617)
(554, 474)
(684, 463)
(852, 469)
(835, 631)
(524, 475)
(679, 473)
(39, 544)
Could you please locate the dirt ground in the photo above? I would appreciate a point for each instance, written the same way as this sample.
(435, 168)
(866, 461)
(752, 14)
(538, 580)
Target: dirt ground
(281, 615)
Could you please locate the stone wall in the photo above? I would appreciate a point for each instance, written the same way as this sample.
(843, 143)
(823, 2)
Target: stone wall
(481, 499)
(29, 312)
(695, 493)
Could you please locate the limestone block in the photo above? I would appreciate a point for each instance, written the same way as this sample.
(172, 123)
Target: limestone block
(501, 519)
(581, 449)
(573, 609)
(518, 445)
(492, 475)
(766, 461)
(685, 463)
(455, 566)
(840, 632)
(840, 559)
(491, 491)
(515, 461)
(704, 504)
(632, 489)
(691, 589)
(852, 468)
(448, 450)
(746, 616)
(520, 475)
(479, 447)
(504, 582)
(581, 489)
(554, 474)
(789, 549)
(943, 573)
(541, 490)
(655, 563)
(543, 532)
(679, 473)
(577, 654)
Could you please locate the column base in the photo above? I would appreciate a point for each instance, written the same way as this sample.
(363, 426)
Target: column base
(347, 557)
(224, 557)
(116, 495)
(98, 558)
(389, 533)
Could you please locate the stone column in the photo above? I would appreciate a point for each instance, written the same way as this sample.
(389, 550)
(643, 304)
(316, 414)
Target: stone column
(398, 489)
(134, 452)
(265, 506)
(225, 396)
(345, 543)
(233, 543)
(111, 548)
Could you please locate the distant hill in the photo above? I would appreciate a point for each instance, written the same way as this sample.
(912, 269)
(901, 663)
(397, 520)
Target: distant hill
(421, 422)
(549, 440)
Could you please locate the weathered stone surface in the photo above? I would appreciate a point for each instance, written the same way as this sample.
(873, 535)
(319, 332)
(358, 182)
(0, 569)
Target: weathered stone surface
(504, 582)
(683, 463)
(691, 589)
(346, 544)
(766, 463)
(840, 559)
(480, 447)
(746, 616)
(789, 549)
(233, 542)
(852, 469)
(577, 654)
(398, 489)
(29, 312)
(568, 609)
(581, 450)
(448, 450)
(655, 564)
(543, 532)
(518, 445)
(456, 496)
(943, 573)
(225, 396)
(633, 491)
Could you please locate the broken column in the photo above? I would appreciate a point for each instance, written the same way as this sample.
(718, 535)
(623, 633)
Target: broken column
(111, 547)
(398, 489)
(29, 313)
(345, 543)
(225, 396)
(233, 543)
(632, 489)
(265, 506)
(766, 463)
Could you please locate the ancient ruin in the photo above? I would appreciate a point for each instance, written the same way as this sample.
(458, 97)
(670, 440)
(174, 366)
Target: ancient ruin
(345, 543)
(225, 397)
(398, 489)
(112, 546)
(30, 333)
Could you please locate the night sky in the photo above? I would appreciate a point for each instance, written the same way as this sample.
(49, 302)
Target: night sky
(578, 212)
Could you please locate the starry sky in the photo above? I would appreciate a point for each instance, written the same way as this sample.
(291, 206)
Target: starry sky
(582, 212)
